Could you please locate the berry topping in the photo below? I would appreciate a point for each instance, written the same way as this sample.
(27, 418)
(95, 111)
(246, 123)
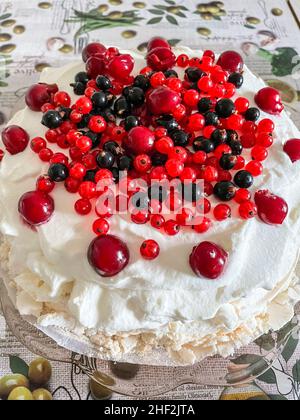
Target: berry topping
(150, 249)
(38, 95)
(271, 208)
(15, 139)
(269, 100)
(292, 149)
(161, 59)
(208, 260)
(231, 61)
(140, 141)
(108, 255)
(163, 101)
(36, 207)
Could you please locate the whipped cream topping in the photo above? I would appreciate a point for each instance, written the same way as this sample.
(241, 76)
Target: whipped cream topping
(161, 301)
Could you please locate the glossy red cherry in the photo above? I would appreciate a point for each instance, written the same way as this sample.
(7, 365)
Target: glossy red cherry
(92, 49)
(108, 255)
(161, 59)
(208, 260)
(121, 66)
(292, 149)
(269, 100)
(95, 66)
(271, 208)
(150, 249)
(163, 100)
(158, 42)
(45, 184)
(15, 139)
(38, 95)
(140, 140)
(231, 61)
(36, 207)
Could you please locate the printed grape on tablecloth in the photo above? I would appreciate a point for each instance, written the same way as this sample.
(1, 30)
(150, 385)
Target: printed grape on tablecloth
(35, 35)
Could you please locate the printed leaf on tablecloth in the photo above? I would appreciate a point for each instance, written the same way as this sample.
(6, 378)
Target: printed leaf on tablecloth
(18, 365)
(172, 20)
(5, 16)
(296, 371)
(289, 349)
(171, 2)
(266, 342)
(154, 21)
(278, 398)
(174, 42)
(156, 12)
(268, 377)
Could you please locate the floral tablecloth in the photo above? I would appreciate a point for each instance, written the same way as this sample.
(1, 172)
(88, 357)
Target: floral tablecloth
(38, 34)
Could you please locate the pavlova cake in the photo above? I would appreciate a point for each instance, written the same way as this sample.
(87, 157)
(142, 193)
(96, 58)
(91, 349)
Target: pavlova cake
(152, 204)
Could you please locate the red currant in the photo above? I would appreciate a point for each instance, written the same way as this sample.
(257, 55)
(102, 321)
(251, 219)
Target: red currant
(264, 139)
(78, 171)
(199, 157)
(87, 189)
(164, 145)
(242, 195)
(45, 154)
(174, 167)
(185, 217)
(157, 79)
(191, 98)
(84, 144)
(203, 226)
(44, 183)
(97, 124)
(62, 99)
(37, 144)
(196, 122)
(240, 163)
(150, 249)
(83, 206)
(183, 60)
(171, 228)
(140, 217)
(259, 153)
(142, 163)
(84, 105)
(157, 221)
(266, 126)
(222, 212)
(178, 153)
(241, 105)
(210, 174)
(72, 185)
(254, 167)
(101, 227)
(247, 210)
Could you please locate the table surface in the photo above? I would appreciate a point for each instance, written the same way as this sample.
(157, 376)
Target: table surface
(35, 35)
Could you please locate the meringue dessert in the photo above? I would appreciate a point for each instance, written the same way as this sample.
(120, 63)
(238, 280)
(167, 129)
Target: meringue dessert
(150, 268)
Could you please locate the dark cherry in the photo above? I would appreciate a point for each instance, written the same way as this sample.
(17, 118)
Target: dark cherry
(269, 100)
(292, 149)
(108, 255)
(163, 101)
(39, 94)
(140, 140)
(93, 49)
(208, 260)
(271, 208)
(36, 207)
(15, 139)
(161, 59)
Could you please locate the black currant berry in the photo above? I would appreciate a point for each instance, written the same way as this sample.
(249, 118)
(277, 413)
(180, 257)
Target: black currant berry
(219, 137)
(142, 82)
(122, 108)
(211, 118)
(224, 190)
(237, 79)
(180, 138)
(52, 119)
(170, 73)
(243, 179)
(201, 143)
(225, 108)
(168, 122)
(228, 161)
(100, 100)
(252, 114)
(103, 83)
(205, 105)
(193, 74)
(136, 96)
(112, 147)
(158, 159)
(105, 160)
(125, 163)
(58, 172)
(236, 147)
(82, 77)
(131, 122)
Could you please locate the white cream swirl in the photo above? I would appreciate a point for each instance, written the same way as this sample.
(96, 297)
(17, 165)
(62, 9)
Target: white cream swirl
(192, 317)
